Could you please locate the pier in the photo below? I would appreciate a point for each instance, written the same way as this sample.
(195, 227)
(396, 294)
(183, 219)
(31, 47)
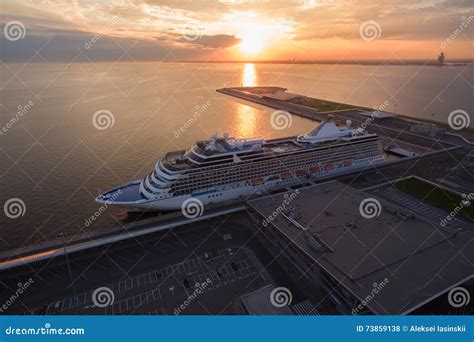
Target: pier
(380, 122)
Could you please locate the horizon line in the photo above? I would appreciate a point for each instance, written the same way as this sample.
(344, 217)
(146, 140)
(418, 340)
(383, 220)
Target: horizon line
(335, 61)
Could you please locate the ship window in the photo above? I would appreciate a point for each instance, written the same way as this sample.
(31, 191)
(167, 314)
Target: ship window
(195, 158)
(214, 158)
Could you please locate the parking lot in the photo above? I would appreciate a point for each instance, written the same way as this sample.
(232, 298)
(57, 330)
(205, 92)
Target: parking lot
(153, 275)
(167, 287)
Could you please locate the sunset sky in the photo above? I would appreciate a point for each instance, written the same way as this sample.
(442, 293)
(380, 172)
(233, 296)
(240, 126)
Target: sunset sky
(83, 30)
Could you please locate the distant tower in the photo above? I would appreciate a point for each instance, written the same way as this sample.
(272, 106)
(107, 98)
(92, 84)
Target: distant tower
(441, 59)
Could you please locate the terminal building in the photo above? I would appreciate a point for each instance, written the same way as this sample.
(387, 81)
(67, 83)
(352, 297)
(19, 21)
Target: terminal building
(388, 261)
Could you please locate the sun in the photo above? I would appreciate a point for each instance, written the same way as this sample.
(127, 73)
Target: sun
(252, 43)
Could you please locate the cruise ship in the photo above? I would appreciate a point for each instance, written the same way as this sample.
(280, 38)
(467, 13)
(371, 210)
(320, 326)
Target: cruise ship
(226, 168)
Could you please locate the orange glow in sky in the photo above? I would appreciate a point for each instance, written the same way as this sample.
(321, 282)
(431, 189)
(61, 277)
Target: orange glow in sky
(253, 30)
(251, 45)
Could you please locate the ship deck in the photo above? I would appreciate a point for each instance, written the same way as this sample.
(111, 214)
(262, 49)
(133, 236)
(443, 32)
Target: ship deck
(128, 193)
(174, 160)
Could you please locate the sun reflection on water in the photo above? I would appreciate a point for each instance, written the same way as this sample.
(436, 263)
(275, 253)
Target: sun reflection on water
(246, 122)
(248, 76)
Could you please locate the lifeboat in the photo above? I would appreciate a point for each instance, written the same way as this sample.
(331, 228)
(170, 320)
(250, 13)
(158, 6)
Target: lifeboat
(347, 162)
(328, 166)
(286, 175)
(301, 172)
(314, 169)
(257, 181)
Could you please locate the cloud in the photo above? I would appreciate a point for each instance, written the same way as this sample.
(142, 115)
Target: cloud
(219, 41)
(68, 46)
(155, 28)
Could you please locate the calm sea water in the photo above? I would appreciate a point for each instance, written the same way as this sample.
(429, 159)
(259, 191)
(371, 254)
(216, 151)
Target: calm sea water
(56, 161)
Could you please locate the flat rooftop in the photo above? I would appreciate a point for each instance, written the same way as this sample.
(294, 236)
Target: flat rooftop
(421, 259)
